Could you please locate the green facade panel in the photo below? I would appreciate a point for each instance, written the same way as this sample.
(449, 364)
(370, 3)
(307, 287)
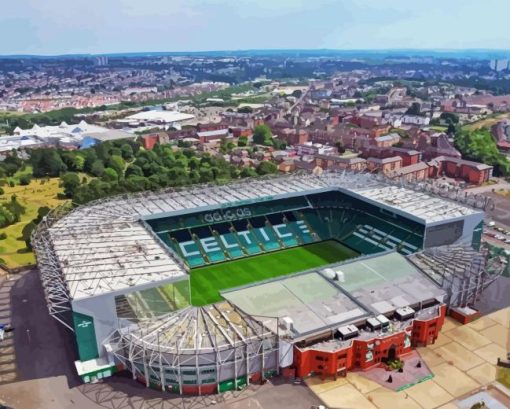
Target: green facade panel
(85, 336)
(477, 236)
(227, 386)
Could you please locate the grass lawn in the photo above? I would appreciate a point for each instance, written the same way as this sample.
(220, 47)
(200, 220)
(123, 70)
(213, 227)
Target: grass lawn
(37, 194)
(206, 282)
(485, 123)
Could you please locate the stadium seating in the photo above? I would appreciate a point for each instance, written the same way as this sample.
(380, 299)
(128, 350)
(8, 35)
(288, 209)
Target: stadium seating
(245, 236)
(226, 234)
(264, 234)
(209, 247)
(228, 240)
(187, 247)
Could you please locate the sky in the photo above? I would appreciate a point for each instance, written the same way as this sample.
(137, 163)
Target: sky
(53, 27)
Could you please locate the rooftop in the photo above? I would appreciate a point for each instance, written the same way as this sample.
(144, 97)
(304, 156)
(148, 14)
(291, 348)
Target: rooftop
(309, 299)
(387, 282)
(63, 133)
(160, 116)
(104, 246)
(315, 302)
(196, 330)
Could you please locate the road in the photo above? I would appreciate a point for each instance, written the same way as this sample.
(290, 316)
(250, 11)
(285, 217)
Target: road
(300, 99)
(502, 184)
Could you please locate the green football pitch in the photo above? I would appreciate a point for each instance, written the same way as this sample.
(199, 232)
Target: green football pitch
(206, 282)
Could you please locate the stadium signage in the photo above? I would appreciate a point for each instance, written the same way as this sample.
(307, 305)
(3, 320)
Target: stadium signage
(260, 235)
(227, 215)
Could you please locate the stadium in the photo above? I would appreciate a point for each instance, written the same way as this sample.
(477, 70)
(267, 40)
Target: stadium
(209, 288)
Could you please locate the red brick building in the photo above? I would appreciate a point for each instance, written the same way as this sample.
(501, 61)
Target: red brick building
(357, 314)
(412, 173)
(409, 156)
(291, 135)
(334, 162)
(472, 172)
(152, 139)
(366, 353)
(385, 165)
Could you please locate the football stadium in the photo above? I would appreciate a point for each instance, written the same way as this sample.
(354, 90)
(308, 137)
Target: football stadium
(209, 288)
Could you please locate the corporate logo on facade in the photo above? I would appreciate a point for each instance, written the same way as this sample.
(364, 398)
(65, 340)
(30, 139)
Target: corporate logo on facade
(227, 215)
(246, 238)
(84, 324)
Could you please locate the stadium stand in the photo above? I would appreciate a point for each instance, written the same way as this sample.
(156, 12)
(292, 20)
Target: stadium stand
(228, 240)
(271, 225)
(245, 237)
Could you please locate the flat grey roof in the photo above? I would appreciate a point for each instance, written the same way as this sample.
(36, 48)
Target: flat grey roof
(365, 287)
(387, 282)
(309, 299)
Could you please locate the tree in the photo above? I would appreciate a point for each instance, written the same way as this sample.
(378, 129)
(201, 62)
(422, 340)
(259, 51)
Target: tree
(117, 163)
(11, 164)
(10, 169)
(25, 180)
(245, 110)
(340, 147)
(134, 170)
(206, 174)
(7, 217)
(451, 129)
(248, 172)
(242, 141)
(41, 212)
(414, 109)
(279, 144)
(266, 168)
(127, 151)
(479, 145)
(136, 183)
(46, 162)
(297, 93)
(90, 158)
(110, 175)
(78, 163)
(74, 161)
(449, 118)
(262, 135)
(26, 233)
(97, 168)
(103, 151)
(70, 181)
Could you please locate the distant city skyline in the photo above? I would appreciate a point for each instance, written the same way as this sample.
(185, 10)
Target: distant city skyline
(56, 27)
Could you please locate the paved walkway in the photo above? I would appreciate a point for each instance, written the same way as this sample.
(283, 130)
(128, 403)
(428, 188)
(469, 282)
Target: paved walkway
(8, 371)
(463, 360)
(38, 372)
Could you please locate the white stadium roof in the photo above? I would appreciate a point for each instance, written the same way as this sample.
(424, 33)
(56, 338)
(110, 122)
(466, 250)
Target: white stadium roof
(104, 247)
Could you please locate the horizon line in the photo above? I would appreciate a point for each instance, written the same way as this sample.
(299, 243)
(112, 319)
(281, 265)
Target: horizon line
(272, 50)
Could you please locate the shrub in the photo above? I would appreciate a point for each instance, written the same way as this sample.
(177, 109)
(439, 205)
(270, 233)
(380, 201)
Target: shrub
(25, 180)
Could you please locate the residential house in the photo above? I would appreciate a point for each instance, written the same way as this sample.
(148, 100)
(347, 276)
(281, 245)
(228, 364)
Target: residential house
(335, 162)
(385, 165)
(472, 172)
(411, 173)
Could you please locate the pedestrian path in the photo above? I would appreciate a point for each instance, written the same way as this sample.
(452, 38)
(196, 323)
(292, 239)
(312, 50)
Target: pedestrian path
(8, 371)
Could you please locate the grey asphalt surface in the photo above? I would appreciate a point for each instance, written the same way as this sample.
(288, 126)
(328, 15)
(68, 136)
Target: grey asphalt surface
(41, 372)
